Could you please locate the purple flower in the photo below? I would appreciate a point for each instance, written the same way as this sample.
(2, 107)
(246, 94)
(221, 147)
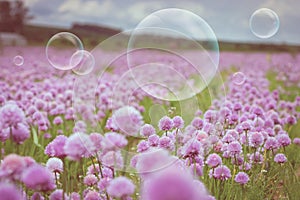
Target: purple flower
(172, 184)
(55, 165)
(166, 142)
(38, 178)
(142, 146)
(153, 140)
(280, 158)
(271, 143)
(57, 120)
(120, 187)
(10, 192)
(92, 195)
(11, 115)
(114, 141)
(13, 166)
(112, 159)
(97, 140)
(165, 123)
(221, 172)
(296, 141)
(234, 148)
(197, 123)
(178, 122)
(192, 148)
(128, 120)
(57, 195)
(147, 130)
(90, 180)
(283, 140)
(256, 139)
(56, 147)
(213, 160)
(20, 133)
(241, 178)
(79, 145)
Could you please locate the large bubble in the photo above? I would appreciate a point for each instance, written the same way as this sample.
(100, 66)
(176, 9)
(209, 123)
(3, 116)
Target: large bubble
(264, 23)
(177, 54)
(60, 49)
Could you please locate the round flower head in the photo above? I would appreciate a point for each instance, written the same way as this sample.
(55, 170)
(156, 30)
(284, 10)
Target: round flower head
(114, 141)
(56, 147)
(57, 195)
(13, 166)
(55, 165)
(171, 184)
(165, 124)
(241, 178)
(79, 145)
(197, 123)
(92, 195)
(11, 115)
(90, 180)
(128, 120)
(256, 139)
(147, 130)
(178, 122)
(38, 178)
(222, 172)
(10, 192)
(213, 160)
(280, 158)
(120, 187)
(296, 141)
(20, 133)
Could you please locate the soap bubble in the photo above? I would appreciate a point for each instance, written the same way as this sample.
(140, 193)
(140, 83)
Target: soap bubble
(85, 60)
(60, 49)
(177, 49)
(264, 23)
(238, 78)
(18, 60)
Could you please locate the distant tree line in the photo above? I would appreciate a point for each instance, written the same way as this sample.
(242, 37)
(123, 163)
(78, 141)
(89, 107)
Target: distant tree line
(13, 15)
(95, 29)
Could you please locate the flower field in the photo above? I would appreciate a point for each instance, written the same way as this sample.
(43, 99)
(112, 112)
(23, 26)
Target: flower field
(67, 135)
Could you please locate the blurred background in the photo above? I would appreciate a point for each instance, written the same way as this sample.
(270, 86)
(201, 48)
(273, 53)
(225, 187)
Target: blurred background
(33, 22)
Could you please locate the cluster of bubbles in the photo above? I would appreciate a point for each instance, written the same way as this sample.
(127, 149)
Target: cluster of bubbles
(75, 57)
(264, 23)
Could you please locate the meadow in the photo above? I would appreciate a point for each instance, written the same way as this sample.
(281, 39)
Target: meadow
(65, 135)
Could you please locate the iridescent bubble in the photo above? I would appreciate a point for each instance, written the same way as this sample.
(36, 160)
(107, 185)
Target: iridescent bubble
(238, 78)
(85, 60)
(18, 60)
(178, 51)
(264, 23)
(60, 49)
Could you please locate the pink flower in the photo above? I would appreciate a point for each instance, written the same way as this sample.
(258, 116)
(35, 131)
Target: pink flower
(213, 160)
(280, 158)
(120, 187)
(56, 147)
(55, 165)
(79, 145)
(172, 184)
(10, 192)
(241, 178)
(128, 120)
(165, 123)
(147, 130)
(178, 122)
(38, 178)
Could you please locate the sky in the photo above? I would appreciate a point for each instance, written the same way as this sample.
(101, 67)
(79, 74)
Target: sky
(229, 19)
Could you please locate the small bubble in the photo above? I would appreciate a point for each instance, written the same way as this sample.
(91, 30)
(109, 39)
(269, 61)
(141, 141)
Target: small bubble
(238, 78)
(18, 60)
(264, 23)
(85, 62)
(60, 49)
